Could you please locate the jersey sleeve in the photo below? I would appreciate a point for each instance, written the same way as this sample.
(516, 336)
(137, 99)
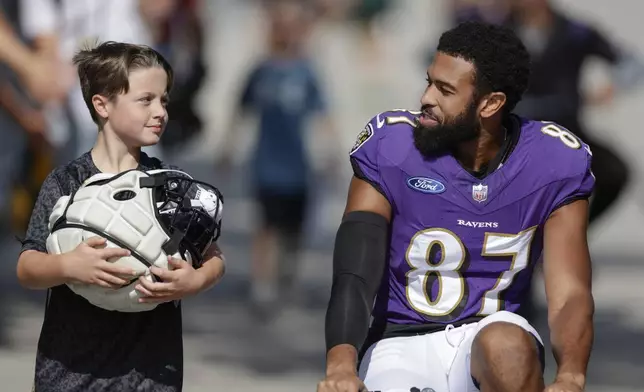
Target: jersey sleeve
(365, 158)
(579, 186)
(38, 231)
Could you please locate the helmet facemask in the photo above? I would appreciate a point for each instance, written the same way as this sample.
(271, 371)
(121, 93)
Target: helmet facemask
(190, 213)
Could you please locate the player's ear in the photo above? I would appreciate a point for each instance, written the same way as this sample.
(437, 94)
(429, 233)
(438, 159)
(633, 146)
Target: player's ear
(100, 103)
(491, 104)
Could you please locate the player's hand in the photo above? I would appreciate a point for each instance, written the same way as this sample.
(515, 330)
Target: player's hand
(342, 382)
(175, 284)
(563, 386)
(88, 264)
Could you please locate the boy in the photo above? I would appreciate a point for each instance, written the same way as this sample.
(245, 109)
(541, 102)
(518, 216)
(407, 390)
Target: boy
(83, 347)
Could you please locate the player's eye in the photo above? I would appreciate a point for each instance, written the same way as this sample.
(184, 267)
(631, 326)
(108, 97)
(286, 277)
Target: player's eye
(429, 81)
(146, 100)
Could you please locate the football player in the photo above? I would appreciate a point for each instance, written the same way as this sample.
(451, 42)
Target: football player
(448, 211)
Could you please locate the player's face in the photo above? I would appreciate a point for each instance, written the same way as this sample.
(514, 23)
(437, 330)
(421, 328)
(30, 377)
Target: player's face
(449, 111)
(139, 116)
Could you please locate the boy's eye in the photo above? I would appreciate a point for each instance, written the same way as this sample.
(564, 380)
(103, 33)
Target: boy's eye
(146, 99)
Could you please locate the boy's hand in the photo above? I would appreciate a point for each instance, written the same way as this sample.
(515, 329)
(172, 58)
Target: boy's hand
(178, 283)
(88, 264)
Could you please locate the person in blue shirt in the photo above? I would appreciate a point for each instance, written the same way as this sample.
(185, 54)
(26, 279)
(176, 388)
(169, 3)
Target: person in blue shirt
(284, 92)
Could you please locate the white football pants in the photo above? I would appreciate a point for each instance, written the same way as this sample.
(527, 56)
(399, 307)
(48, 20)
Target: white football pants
(435, 362)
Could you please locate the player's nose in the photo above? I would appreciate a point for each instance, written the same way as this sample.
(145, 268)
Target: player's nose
(429, 97)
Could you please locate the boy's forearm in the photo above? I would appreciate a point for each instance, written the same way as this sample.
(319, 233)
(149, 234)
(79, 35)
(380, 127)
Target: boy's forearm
(211, 272)
(39, 271)
(213, 269)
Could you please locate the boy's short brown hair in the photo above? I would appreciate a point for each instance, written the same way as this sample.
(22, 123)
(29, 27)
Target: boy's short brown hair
(105, 69)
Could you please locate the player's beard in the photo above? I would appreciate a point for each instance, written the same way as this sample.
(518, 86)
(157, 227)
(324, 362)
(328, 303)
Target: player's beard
(443, 138)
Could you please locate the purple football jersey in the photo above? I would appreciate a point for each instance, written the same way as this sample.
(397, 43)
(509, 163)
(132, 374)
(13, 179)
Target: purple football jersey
(463, 247)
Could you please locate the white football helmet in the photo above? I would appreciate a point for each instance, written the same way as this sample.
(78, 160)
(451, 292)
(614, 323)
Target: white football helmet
(154, 214)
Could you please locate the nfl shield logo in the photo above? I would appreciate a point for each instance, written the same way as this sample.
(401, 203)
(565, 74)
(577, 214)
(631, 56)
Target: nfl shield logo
(479, 192)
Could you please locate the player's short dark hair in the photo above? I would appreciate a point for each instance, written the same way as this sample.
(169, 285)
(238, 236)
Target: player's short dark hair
(501, 61)
(104, 69)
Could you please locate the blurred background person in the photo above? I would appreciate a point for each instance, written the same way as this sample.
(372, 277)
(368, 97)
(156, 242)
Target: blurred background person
(284, 91)
(560, 46)
(177, 33)
(21, 127)
(25, 82)
(24, 148)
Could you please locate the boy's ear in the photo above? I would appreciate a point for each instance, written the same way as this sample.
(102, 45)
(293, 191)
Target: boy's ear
(100, 103)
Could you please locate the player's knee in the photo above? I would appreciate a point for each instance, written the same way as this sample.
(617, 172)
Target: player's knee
(505, 344)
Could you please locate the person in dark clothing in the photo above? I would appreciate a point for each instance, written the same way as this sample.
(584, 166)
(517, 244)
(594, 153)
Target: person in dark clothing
(179, 37)
(559, 47)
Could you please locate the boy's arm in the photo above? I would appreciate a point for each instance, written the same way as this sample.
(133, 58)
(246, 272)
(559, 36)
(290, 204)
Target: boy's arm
(182, 280)
(213, 269)
(36, 269)
(39, 271)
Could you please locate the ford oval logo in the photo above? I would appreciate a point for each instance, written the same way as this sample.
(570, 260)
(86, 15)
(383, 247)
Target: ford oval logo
(426, 185)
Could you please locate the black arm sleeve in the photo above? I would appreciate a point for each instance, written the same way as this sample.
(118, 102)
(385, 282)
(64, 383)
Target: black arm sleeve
(359, 261)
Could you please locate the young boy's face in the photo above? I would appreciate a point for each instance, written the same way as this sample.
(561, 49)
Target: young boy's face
(139, 116)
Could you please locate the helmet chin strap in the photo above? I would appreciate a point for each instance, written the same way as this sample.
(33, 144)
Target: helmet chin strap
(172, 246)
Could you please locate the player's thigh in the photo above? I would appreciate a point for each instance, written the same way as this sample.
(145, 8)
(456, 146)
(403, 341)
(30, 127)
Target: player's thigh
(403, 363)
(460, 375)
